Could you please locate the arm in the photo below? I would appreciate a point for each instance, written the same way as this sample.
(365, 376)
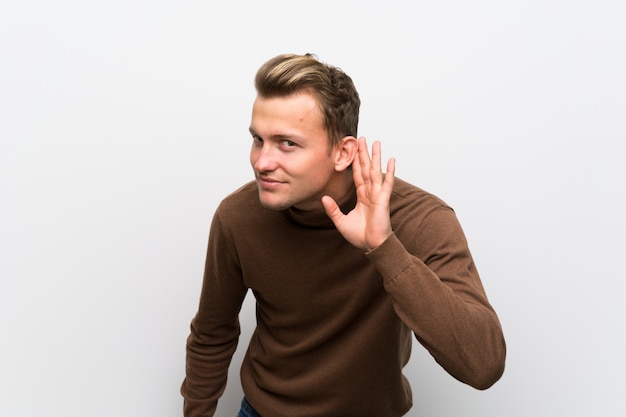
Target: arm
(214, 329)
(438, 294)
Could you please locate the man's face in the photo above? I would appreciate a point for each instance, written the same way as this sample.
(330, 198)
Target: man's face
(291, 156)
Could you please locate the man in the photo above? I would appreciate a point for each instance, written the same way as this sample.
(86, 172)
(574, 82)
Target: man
(345, 264)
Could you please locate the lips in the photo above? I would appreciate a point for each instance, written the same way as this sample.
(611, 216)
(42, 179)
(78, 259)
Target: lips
(269, 183)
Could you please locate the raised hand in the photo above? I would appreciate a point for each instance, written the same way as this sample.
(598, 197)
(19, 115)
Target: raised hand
(368, 224)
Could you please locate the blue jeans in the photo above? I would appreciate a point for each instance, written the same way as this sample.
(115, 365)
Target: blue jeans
(247, 410)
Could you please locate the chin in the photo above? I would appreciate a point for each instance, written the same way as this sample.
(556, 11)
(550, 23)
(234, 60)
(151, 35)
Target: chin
(275, 201)
(274, 204)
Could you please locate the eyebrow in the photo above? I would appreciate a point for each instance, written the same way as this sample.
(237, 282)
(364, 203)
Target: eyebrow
(275, 136)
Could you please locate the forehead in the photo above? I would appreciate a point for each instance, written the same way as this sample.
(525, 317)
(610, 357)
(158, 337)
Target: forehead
(297, 110)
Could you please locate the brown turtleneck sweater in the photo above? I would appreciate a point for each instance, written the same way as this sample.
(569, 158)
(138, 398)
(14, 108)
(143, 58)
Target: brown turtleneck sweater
(333, 323)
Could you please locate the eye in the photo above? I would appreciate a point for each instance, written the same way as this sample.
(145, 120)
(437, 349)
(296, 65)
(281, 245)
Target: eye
(288, 143)
(256, 140)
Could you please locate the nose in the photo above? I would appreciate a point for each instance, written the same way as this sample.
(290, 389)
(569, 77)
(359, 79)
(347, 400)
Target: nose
(263, 158)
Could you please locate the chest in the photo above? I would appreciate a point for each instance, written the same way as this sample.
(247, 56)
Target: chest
(306, 271)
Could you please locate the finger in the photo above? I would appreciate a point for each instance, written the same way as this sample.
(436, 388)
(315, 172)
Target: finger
(357, 172)
(364, 159)
(332, 209)
(390, 174)
(376, 173)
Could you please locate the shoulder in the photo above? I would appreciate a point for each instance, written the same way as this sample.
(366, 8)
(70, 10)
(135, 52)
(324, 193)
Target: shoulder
(242, 208)
(244, 197)
(408, 196)
(416, 212)
(239, 202)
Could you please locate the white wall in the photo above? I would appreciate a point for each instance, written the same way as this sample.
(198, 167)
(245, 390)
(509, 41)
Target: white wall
(123, 124)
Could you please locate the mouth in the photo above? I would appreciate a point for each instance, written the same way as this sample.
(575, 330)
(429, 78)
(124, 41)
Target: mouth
(269, 183)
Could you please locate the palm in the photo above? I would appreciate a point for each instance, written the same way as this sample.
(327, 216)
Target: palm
(368, 224)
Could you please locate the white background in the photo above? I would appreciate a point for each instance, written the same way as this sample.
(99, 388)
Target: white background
(124, 123)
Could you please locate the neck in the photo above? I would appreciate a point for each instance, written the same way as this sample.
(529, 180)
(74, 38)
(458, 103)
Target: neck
(343, 187)
(315, 216)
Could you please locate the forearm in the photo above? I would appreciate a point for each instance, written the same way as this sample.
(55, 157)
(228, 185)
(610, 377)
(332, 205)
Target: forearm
(207, 362)
(447, 310)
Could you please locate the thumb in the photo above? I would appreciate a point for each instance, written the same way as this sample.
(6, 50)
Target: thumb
(332, 209)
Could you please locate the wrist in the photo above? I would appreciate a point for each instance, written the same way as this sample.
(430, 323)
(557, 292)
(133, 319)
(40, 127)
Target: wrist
(376, 243)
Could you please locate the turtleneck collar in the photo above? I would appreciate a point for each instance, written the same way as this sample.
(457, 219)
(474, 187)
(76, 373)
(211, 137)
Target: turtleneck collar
(317, 218)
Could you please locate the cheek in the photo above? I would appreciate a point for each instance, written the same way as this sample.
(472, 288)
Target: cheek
(316, 171)
(300, 166)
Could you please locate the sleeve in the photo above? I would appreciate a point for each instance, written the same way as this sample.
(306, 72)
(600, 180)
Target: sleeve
(437, 293)
(215, 328)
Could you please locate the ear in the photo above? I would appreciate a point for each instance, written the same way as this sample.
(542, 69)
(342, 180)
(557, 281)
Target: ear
(345, 151)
